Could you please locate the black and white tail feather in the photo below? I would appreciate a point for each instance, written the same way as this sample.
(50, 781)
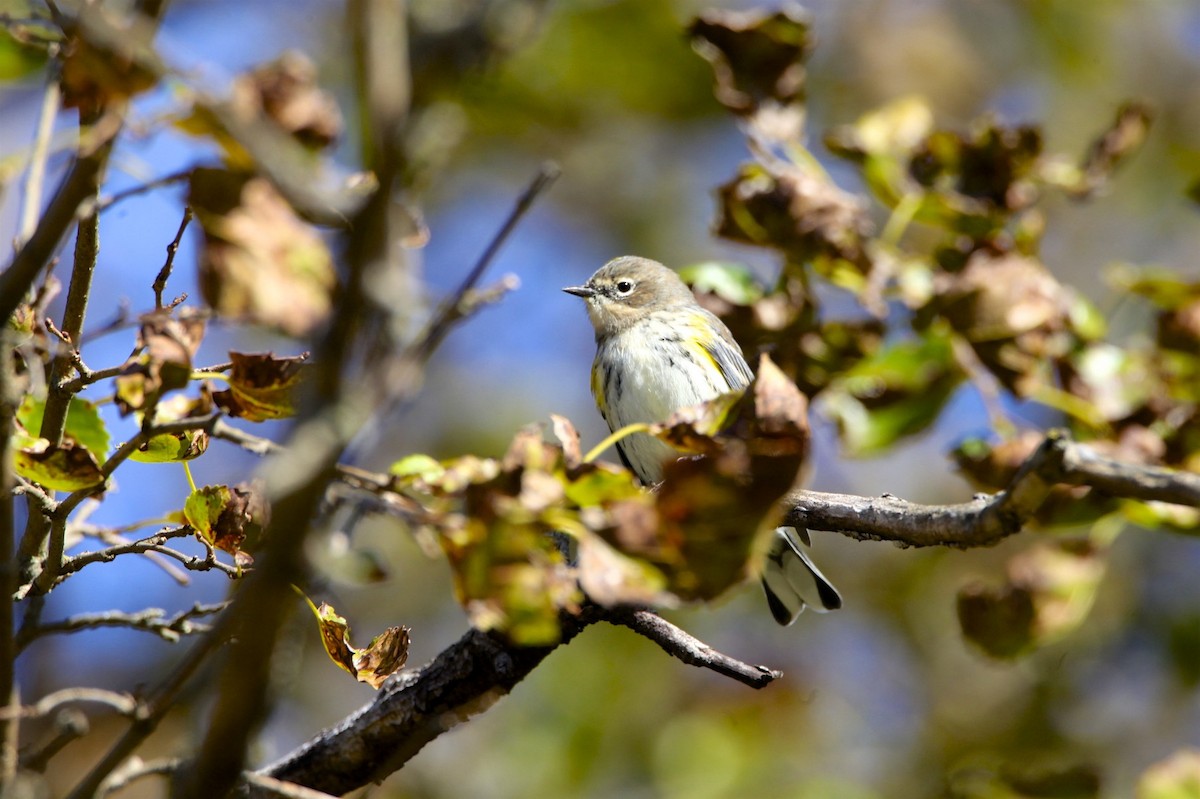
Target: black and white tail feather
(792, 581)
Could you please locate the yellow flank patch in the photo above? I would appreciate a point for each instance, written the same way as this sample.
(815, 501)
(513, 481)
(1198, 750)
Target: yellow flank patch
(598, 390)
(699, 341)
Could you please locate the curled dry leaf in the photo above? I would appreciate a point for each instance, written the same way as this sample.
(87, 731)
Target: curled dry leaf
(1123, 138)
(260, 262)
(1017, 317)
(162, 362)
(1050, 590)
(796, 211)
(93, 77)
(385, 655)
(262, 386)
(222, 516)
(68, 467)
(286, 91)
(710, 510)
(758, 65)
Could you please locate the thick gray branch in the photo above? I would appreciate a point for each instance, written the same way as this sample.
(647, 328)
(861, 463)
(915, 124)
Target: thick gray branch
(416, 707)
(987, 519)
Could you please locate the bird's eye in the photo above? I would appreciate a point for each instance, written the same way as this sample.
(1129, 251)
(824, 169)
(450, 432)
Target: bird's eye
(624, 287)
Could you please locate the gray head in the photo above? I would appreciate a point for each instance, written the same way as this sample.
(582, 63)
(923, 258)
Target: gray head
(627, 289)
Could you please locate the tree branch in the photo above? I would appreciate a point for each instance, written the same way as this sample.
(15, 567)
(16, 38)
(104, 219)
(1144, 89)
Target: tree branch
(150, 620)
(692, 651)
(415, 707)
(987, 519)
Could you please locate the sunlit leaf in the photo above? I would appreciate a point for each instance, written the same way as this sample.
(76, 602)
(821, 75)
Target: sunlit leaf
(1177, 777)
(733, 283)
(83, 426)
(797, 211)
(162, 362)
(262, 386)
(260, 262)
(183, 446)
(170, 447)
(223, 516)
(385, 655)
(69, 467)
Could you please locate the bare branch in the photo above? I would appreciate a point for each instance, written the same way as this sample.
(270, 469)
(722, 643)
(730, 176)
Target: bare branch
(274, 787)
(151, 620)
(134, 770)
(104, 203)
(151, 544)
(164, 274)
(247, 441)
(68, 726)
(415, 707)
(690, 650)
(987, 519)
(455, 307)
(123, 704)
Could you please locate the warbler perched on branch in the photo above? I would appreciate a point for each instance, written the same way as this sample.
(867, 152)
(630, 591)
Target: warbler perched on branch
(657, 351)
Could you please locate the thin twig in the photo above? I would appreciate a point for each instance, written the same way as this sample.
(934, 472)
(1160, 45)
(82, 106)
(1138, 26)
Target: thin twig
(164, 274)
(690, 650)
(104, 203)
(274, 787)
(124, 704)
(9, 401)
(152, 711)
(53, 564)
(150, 620)
(135, 769)
(415, 707)
(247, 441)
(452, 309)
(154, 543)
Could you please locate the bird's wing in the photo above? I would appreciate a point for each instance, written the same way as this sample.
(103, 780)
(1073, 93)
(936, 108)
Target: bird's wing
(726, 354)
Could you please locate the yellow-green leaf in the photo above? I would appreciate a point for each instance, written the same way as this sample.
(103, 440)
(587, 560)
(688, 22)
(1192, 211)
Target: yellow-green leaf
(66, 468)
(204, 507)
(386, 654)
(261, 386)
(84, 424)
(170, 447)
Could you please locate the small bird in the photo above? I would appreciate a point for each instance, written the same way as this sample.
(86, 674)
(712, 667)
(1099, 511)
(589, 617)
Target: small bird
(657, 351)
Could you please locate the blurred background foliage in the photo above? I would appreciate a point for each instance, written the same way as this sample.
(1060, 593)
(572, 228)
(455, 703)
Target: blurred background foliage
(882, 699)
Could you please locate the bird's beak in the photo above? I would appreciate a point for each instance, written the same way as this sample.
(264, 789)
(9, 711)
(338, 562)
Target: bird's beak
(581, 291)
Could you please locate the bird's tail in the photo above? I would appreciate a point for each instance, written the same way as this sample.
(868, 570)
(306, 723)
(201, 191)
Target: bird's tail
(792, 581)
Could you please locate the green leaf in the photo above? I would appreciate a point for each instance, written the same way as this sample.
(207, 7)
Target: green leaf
(84, 424)
(204, 507)
(417, 466)
(67, 468)
(896, 392)
(172, 447)
(731, 282)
